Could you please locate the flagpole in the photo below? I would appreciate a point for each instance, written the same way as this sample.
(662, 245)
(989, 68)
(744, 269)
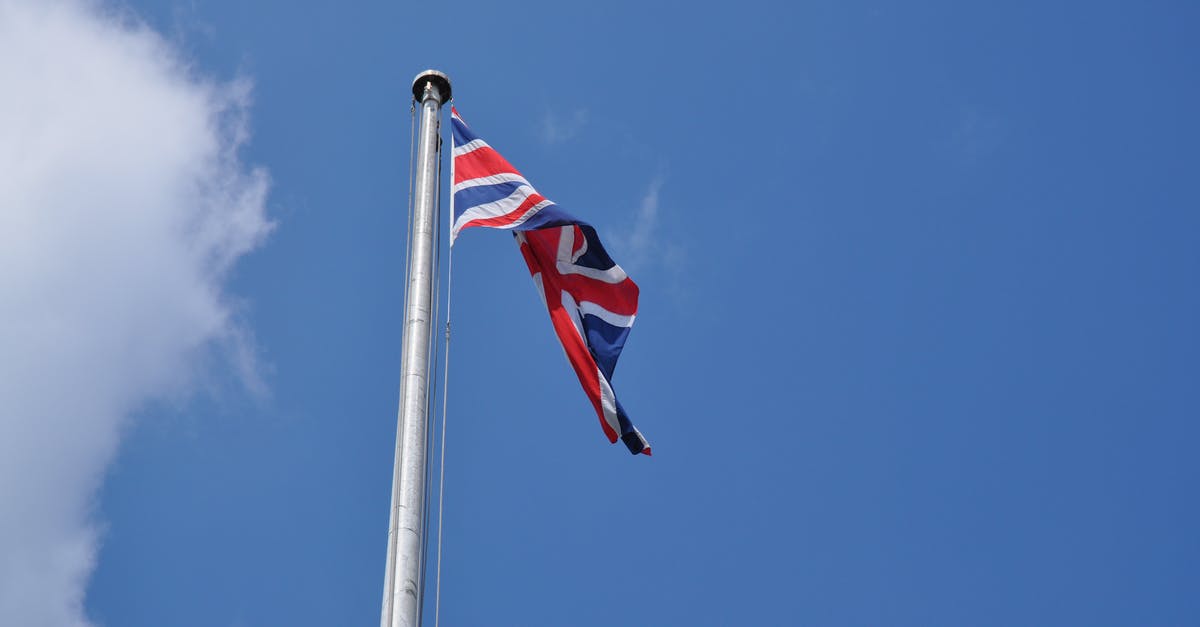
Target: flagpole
(403, 590)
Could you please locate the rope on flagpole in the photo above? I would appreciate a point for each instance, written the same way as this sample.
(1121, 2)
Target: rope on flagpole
(412, 166)
(442, 452)
(437, 578)
(431, 391)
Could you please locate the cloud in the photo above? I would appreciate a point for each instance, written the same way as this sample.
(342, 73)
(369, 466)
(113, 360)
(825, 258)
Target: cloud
(641, 238)
(123, 206)
(556, 129)
(642, 243)
(646, 249)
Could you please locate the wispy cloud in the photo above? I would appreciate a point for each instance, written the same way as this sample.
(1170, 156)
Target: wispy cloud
(123, 206)
(557, 129)
(642, 239)
(645, 244)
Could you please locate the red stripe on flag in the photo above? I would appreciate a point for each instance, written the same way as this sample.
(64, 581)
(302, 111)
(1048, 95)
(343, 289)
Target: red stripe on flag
(537, 253)
(619, 298)
(479, 163)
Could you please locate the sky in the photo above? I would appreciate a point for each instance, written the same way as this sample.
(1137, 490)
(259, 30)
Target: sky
(916, 345)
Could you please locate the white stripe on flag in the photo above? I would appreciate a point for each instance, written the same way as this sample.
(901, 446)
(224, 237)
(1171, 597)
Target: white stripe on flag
(608, 401)
(615, 319)
(612, 275)
(494, 179)
(472, 145)
(499, 208)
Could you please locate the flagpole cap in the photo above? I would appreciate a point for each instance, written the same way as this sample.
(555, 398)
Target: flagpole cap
(439, 80)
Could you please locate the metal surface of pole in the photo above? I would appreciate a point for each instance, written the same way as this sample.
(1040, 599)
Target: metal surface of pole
(403, 583)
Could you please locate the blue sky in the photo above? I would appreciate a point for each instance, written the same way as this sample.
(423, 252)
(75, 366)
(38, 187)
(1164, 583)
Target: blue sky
(917, 342)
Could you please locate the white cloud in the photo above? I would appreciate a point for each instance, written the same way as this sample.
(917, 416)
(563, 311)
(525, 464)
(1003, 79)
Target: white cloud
(122, 207)
(643, 243)
(645, 223)
(557, 129)
(647, 247)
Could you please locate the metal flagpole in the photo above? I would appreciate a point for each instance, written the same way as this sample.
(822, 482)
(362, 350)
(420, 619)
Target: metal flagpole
(403, 586)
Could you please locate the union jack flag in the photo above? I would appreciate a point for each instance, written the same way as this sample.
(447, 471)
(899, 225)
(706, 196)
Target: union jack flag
(592, 303)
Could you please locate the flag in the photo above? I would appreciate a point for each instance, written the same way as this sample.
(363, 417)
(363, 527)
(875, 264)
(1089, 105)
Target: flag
(591, 301)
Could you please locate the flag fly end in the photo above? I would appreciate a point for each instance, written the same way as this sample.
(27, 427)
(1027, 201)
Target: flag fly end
(636, 443)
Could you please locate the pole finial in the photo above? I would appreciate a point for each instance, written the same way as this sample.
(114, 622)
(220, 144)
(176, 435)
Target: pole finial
(439, 80)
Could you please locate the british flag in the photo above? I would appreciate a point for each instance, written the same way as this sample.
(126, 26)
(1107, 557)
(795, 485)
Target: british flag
(592, 303)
